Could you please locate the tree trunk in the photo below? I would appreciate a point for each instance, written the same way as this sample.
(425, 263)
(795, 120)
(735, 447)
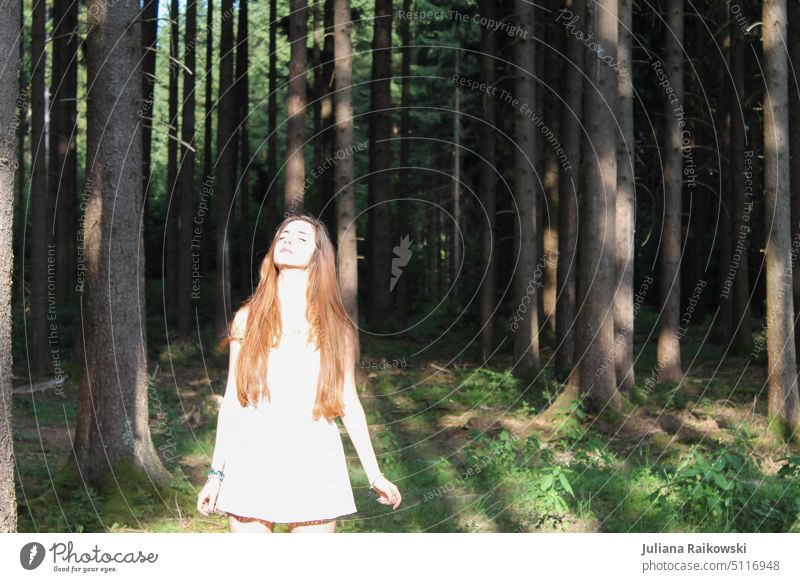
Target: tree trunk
(626, 204)
(207, 240)
(245, 246)
(723, 332)
(380, 160)
(11, 116)
(39, 353)
(346, 201)
(188, 248)
(170, 262)
(401, 304)
(569, 186)
(63, 155)
(784, 403)
(113, 428)
(225, 169)
(296, 106)
(22, 130)
(149, 48)
(794, 148)
(487, 184)
(670, 331)
(553, 71)
(525, 320)
(271, 192)
(742, 204)
(594, 337)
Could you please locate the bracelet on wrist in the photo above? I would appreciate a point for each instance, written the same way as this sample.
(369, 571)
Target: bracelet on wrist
(375, 479)
(212, 472)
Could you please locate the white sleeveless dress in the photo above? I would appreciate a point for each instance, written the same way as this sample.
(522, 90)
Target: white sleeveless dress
(283, 466)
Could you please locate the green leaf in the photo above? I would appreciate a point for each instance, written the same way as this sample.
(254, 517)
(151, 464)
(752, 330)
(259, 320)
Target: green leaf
(565, 484)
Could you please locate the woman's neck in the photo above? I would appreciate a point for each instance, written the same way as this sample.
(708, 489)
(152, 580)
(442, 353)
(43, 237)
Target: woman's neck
(292, 286)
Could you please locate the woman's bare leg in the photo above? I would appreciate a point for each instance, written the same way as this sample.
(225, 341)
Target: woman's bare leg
(321, 526)
(239, 524)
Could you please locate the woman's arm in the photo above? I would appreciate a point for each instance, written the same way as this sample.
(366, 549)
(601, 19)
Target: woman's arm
(354, 419)
(230, 402)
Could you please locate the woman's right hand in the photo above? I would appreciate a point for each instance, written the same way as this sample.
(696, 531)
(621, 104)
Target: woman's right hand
(207, 499)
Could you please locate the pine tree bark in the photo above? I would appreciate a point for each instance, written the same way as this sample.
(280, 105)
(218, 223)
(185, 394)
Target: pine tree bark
(594, 336)
(112, 424)
(741, 206)
(525, 318)
(149, 48)
(11, 115)
(170, 261)
(401, 304)
(207, 243)
(625, 209)
(380, 160)
(245, 246)
(793, 28)
(186, 226)
(488, 184)
(784, 403)
(294, 194)
(669, 344)
(271, 192)
(40, 221)
(346, 202)
(569, 187)
(63, 156)
(225, 169)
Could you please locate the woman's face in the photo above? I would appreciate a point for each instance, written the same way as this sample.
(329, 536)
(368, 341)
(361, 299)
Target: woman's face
(295, 246)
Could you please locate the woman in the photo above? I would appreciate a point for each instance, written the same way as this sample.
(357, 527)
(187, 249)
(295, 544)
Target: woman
(278, 456)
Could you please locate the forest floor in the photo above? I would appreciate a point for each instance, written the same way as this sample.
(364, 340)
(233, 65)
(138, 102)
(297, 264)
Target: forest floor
(469, 448)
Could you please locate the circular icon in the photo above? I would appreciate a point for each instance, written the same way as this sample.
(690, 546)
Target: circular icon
(31, 555)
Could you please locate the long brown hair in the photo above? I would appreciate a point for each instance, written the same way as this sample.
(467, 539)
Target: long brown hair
(330, 325)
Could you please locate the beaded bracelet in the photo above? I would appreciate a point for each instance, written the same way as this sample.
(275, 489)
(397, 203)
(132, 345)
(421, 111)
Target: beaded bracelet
(213, 471)
(375, 479)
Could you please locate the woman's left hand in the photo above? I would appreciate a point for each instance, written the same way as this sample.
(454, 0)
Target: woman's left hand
(389, 494)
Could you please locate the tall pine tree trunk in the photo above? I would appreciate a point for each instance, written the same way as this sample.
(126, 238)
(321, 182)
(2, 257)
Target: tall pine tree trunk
(626, 203)
(569, 186)
(11, 115)
(296, 106)
(186, 230)
(487, 185)
(149, 48)
(170, 261)
(669, 345)
(594, 337)
(63, 155)
(346, 200)
(741, 206)
(225, 169)
(380, 159)
(112, 423)
(784, 403)
(401, 305)
(207, 240)
(525, 321)
(40, 221)
(245, 246)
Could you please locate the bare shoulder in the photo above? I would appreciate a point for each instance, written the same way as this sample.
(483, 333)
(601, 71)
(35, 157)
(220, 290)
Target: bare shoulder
(239, 323)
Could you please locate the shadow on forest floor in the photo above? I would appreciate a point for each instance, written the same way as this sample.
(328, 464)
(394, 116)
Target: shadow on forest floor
(469, 449)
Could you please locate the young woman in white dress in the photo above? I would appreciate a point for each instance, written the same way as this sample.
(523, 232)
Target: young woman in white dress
(278, 456)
